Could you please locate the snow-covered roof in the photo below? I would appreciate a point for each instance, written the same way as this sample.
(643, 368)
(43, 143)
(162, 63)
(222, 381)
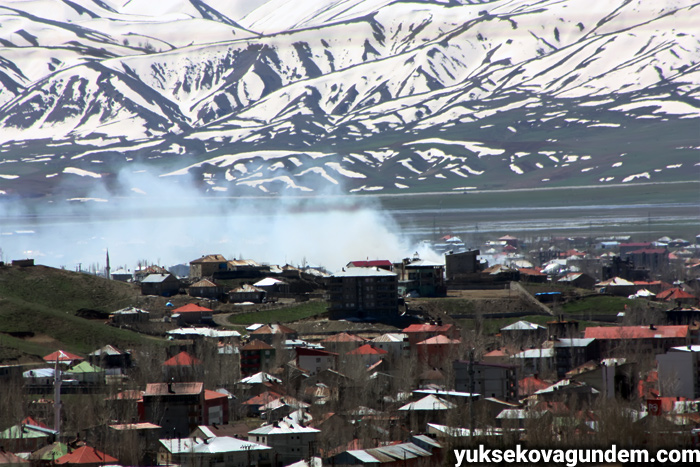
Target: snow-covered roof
(535, 353)
(214, 445)
(268, 281)
(205, 332)
(282, 428)
(522, 326)
(259, 378)
(429, 402)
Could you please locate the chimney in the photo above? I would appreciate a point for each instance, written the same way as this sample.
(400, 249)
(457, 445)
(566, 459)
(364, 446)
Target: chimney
(652, 327)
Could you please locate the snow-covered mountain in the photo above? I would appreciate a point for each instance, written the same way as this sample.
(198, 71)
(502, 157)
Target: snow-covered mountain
(367, 95)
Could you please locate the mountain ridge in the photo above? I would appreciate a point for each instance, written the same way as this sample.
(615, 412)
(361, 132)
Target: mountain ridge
(415, 96)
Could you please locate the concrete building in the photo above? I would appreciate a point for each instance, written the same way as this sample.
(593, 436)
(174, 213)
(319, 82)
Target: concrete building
(363, 293)
(289, 442)
(490, 380)
(679, 372)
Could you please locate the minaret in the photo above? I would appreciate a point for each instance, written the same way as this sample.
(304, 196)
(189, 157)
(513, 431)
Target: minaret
(107, 269)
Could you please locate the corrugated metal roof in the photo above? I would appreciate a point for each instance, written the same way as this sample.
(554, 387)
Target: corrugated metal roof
(215, 258)
(343, 337)
(191, 308)
(390, 337)
(364, 272)
(160, 389)
(367, 350)
(636, 332)
(429, 402)
(257, 344)
(523, 326)
(182, 359)
(204, 283)
(363, 456)
(259, 378)
(268, 281)
(282, 428)
(439, 340)
(155, 278)
(86, 455)
(535, 353)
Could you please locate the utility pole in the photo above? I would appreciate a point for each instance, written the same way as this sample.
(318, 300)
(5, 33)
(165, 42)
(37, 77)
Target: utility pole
(472, 385)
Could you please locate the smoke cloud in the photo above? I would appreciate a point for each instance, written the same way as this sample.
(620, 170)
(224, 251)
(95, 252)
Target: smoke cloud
(168, 221)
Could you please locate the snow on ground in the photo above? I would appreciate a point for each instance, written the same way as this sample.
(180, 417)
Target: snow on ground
(321, 172)
(284, 178)
(407, 163)
(633, 177)
(81, 172)
(367, 188)
(343, 171)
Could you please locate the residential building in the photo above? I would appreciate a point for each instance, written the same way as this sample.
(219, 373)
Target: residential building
(618, 340)
(212, 452)
(206, 288)
(289, 442)
(420, 332)
(679, 372)
(207, 265)
(489, 380)
(315, 360)
(363, 293)
(247, 293)
(178, 408)
(342, 342)
(459, 266)
(274, 333)
(256, 356)
(420, 277)
(192, 314)
(396, 344)
(570, 353)
(165, 285)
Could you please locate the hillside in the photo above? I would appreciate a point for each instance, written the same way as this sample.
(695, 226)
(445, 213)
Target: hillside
(358, 96)
(39, 312)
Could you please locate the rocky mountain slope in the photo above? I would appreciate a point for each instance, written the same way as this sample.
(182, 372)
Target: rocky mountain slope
(289, 96)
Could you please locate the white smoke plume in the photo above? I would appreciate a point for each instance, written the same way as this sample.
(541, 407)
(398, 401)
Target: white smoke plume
(161, 220)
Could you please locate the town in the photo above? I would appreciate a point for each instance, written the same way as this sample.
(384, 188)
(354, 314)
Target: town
(566, 342)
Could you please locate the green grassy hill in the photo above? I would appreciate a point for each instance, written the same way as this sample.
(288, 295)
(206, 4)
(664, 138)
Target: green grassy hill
(38, 307)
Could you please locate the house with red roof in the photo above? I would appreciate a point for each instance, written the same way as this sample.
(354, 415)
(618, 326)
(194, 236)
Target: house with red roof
(678, 296)
(182, 367)
(419, 332)
(437, 351)
(192, 314)
(274, 333)
(368, 354)
(342, 342)
(63, 358)
(376, 263)
(86, 456)
(532, 275)
(216, 408)
(621, 339)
